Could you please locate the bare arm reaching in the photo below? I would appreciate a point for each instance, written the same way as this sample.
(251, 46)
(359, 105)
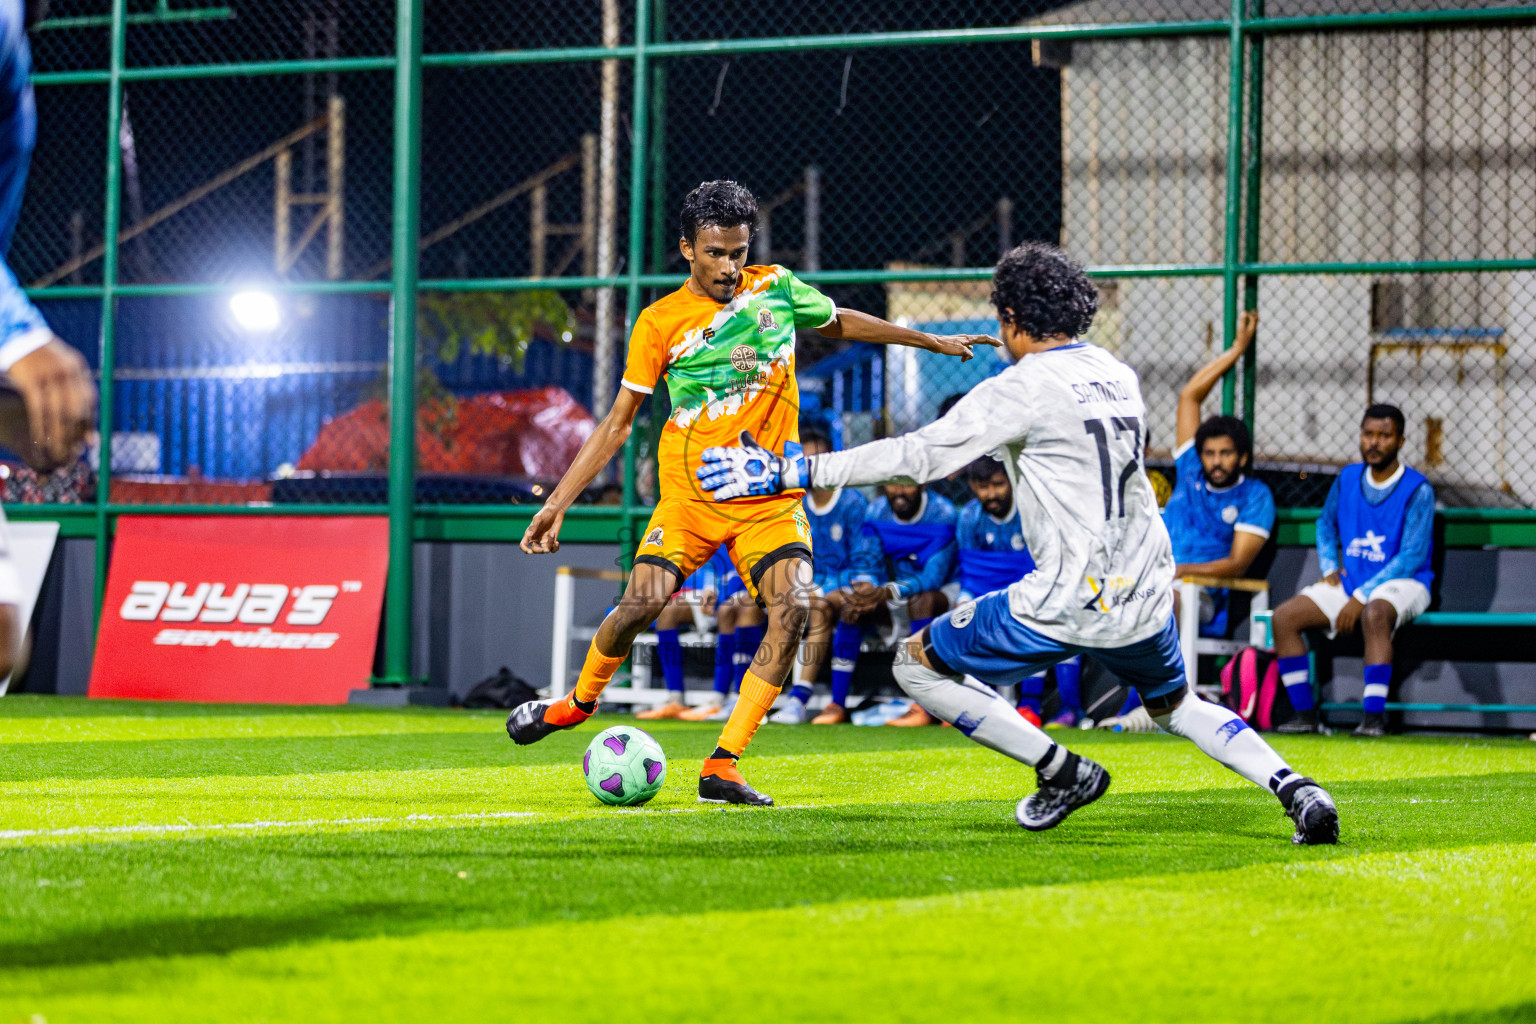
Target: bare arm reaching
(990, 415)
(543, 533)
(856, 326)
(1205, 378)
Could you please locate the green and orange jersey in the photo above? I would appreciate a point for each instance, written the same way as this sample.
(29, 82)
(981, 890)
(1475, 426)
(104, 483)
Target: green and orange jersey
(728, 368)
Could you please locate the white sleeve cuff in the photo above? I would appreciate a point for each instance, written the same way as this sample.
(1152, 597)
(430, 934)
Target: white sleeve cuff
(626, 382)
(1181, 449)
(23, 345)
(1257, 531)
(831, 318)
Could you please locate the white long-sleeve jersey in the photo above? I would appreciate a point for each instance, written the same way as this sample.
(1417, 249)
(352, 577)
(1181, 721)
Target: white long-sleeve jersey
(1067, 424)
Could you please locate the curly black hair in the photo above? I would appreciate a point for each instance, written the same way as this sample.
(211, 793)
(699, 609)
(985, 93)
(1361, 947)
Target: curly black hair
(1043, 292)
(984, 468)
(725, 204)
(1226, 426)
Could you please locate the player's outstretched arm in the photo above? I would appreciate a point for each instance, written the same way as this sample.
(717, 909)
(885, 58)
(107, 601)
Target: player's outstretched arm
(856, 326)
(1205, 378)
(992, 414)
(543, 533)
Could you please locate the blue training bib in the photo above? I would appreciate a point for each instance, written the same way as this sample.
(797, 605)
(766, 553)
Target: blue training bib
(1372, 534)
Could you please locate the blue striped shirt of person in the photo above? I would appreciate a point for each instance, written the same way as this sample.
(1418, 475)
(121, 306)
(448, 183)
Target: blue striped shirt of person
(992, 555)
(836, 517)
(1375, 551)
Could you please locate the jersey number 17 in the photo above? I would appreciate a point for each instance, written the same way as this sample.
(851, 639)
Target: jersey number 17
(1114, 483)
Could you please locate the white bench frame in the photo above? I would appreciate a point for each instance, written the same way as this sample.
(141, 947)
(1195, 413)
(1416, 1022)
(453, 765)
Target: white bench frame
(565, 633)
(1192, 644)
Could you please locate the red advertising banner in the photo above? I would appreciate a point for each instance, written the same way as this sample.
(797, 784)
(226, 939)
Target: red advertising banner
(277, 610)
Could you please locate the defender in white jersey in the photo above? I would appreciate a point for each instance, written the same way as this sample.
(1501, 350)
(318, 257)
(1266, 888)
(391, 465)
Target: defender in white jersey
(1067, 421)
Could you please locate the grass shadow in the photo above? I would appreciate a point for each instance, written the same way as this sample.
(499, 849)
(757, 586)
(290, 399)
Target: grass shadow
(405, 751)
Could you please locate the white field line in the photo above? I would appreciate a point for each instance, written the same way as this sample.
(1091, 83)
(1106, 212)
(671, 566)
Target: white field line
(257, 826)
(115, 830)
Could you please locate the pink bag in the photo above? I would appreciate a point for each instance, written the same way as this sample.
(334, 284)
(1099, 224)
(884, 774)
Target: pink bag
(1250, 684)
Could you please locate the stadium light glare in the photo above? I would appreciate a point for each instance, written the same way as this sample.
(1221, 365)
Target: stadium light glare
(256, 311)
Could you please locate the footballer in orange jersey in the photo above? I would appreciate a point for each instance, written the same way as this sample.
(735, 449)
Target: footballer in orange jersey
(725, 344)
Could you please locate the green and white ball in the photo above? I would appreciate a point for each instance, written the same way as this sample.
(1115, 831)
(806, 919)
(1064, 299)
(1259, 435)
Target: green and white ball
(624, 766)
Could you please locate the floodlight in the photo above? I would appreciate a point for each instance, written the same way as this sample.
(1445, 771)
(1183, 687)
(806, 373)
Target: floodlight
(256, 311)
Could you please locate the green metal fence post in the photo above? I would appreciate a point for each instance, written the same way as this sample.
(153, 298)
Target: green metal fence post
(402, 348)
(658, 143)
(1229, 254)
(109, 301)
(639, 153)
(1253, 178)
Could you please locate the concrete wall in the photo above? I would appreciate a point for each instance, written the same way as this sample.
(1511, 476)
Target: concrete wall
(481, 606)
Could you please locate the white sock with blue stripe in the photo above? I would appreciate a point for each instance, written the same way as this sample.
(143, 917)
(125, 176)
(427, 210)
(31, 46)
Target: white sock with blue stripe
(1218, 731)
(977, 711)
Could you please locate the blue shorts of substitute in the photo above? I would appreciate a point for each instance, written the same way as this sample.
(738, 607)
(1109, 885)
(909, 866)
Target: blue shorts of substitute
(985, 640)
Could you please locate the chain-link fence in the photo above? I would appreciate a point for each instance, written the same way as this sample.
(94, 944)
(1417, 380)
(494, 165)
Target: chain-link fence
(1377, 208)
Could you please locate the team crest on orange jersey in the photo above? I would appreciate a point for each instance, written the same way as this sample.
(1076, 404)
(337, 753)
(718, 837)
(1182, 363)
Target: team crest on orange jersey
(765, 321)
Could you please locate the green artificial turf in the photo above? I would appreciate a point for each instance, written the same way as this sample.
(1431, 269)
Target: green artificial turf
(165, 862)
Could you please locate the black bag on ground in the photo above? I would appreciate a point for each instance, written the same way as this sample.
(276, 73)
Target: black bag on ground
(502, 690)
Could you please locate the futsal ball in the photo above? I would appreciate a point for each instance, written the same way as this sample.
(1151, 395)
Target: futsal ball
(624, 766)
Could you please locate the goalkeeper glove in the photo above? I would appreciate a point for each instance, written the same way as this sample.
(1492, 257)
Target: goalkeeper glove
(752, 470)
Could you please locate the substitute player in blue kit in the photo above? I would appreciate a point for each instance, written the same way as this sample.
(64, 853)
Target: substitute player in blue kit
(836, 517)
(1375, 549)
(1219, 517)
(904, 567)
(1066, 421)
(992, 555)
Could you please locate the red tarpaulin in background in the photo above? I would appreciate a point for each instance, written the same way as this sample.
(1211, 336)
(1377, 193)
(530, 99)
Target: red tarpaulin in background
(531, 433)
(279, 610)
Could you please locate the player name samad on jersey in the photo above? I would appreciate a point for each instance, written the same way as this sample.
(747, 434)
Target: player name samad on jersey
(728, 368)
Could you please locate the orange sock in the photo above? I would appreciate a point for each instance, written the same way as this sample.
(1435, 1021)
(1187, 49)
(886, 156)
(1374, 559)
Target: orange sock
(757, 697)
(595, 673)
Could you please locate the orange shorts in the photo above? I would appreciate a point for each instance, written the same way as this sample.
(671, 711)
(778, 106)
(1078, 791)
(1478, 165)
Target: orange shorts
(684, 533)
